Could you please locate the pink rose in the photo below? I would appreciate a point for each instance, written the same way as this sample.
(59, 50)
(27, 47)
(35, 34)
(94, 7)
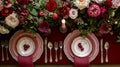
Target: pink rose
(94, 10)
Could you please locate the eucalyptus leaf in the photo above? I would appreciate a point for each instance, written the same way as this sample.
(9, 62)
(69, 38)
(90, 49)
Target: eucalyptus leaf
(34, 12)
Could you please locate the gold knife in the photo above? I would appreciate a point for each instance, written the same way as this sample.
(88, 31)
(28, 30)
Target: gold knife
(101, 46)
(45, 50)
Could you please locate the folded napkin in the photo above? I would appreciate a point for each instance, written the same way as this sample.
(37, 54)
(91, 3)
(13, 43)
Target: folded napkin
(25, 61)
(81, 61)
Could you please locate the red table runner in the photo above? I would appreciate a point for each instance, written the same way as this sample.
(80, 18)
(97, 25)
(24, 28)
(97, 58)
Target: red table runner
(56, 36)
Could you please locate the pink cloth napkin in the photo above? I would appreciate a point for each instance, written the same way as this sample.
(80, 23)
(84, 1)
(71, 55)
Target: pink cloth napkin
(81, 62)
(25, 61)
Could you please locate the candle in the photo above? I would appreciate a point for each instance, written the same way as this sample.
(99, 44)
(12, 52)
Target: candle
(63, 28)
(63, 24)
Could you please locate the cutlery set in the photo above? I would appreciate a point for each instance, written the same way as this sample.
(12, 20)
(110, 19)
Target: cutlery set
(102, 47)
(4, 45)
(50, 46)
(56, 46)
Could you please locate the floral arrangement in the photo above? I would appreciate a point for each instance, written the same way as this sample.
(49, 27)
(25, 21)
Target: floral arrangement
(102, 16)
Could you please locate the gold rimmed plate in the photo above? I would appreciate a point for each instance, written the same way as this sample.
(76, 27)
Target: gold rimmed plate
(69, 40)
(26, 44)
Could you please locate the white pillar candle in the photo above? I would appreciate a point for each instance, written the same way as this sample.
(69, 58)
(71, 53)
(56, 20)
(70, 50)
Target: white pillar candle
(63, 21)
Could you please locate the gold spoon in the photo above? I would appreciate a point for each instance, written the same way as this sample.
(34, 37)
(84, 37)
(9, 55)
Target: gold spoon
(106, 46)
(50, 46)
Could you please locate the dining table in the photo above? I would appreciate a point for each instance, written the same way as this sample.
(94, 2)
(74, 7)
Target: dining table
(56, 36)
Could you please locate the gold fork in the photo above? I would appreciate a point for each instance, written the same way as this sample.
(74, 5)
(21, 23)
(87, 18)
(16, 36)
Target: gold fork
(60, 46)
(56, 48)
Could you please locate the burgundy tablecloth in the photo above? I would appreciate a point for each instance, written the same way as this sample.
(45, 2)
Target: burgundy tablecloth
(114, 50)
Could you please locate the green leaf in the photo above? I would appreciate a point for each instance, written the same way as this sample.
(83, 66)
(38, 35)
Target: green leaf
(29, 17)
(118, 41)
(13, 1)
(41, 2)
(73, 0)
(34, 12)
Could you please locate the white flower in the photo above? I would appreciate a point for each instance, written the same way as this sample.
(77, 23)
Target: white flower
(3, 30)
(116, 3)
(98, 1)
(12, 20)
(1, 5)
(73, 13)
(81, 4)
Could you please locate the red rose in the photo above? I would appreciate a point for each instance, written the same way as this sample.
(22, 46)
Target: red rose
(51, 5)
(64, 11)
(108, 3)
(6, 11)
(105, 28)
(22, 1)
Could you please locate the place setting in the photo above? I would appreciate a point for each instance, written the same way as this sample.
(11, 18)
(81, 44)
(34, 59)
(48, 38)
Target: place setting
(26, 48)
(81, 50)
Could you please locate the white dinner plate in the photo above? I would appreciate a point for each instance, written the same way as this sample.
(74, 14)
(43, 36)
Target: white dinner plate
(25, 46)
(81, 47)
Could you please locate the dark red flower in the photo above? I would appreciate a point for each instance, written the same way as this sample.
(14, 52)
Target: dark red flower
(104, 13)
(108, 3)
(24, 12)
(64, 11)
(51, 5)
(105, 28)
(43, 26)
(6, 11)
(22, 1)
